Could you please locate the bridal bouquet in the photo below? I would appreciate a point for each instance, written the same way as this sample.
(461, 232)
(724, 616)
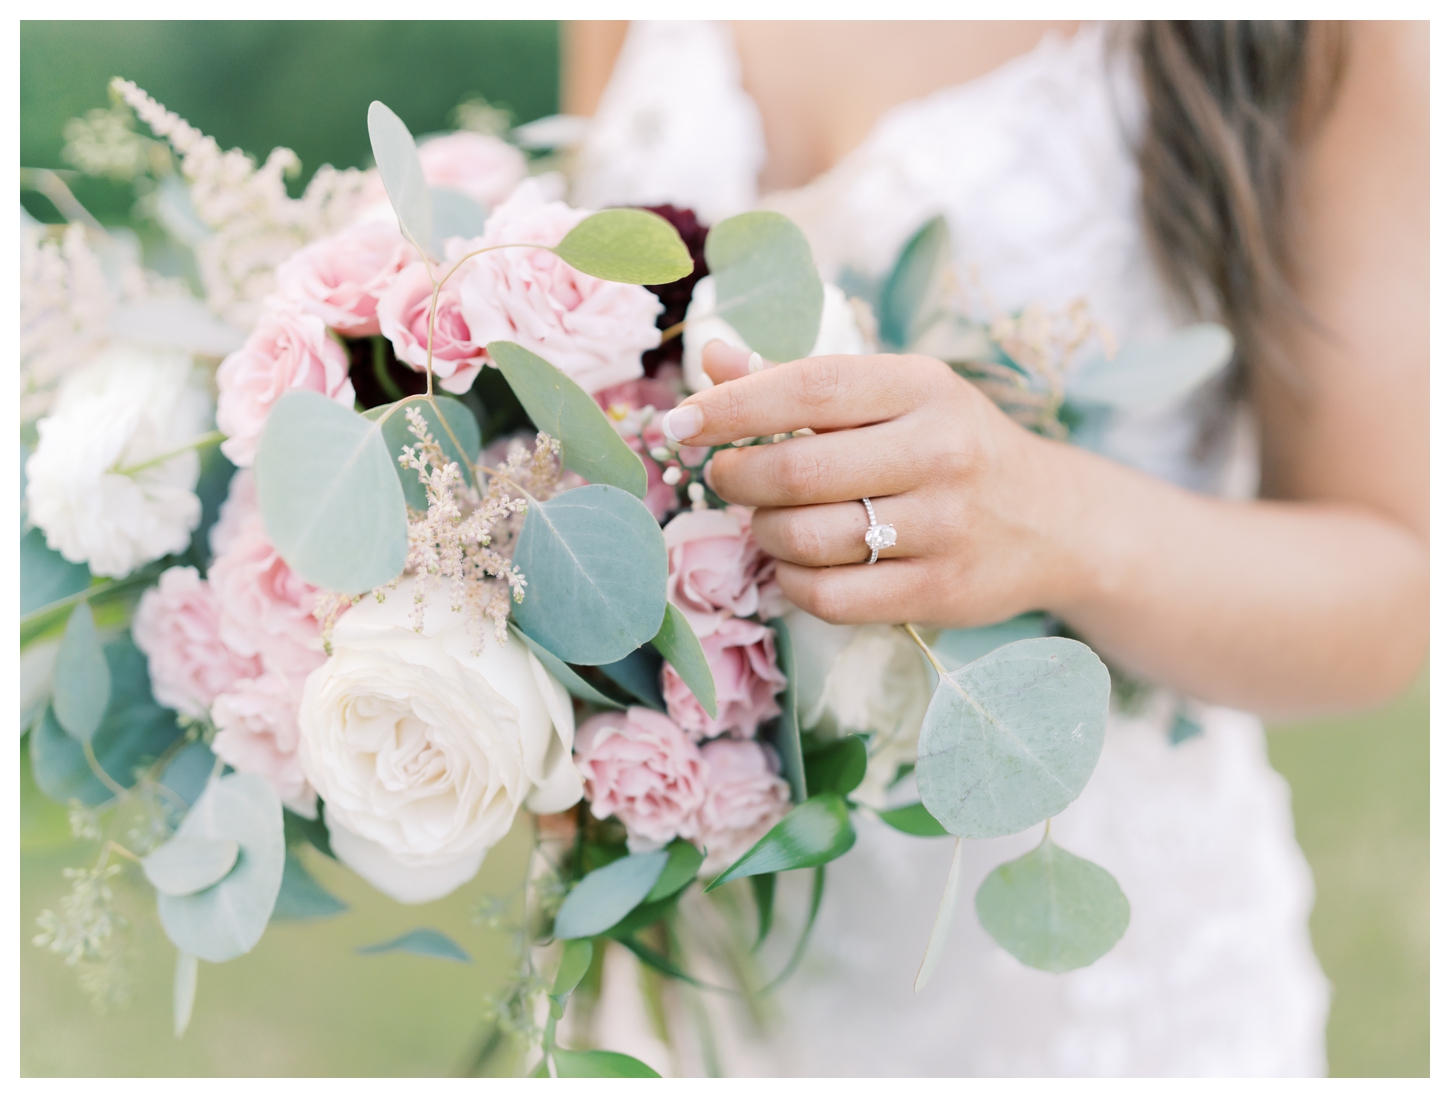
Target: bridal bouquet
(378, 546)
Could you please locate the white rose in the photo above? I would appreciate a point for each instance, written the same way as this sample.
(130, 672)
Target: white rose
(862, 678)
(125, 409)
(423, 751)
(839, 333)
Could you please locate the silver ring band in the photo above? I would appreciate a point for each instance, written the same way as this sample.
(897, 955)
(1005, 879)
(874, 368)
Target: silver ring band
(879, 536)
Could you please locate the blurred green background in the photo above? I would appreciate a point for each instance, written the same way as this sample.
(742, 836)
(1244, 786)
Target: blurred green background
(303, 1003)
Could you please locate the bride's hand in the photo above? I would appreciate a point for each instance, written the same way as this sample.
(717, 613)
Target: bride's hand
(977, 501)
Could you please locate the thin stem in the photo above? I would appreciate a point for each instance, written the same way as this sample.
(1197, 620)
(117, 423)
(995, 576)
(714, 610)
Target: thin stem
(211, 438)
(110, 586)
(911, 630)
(46, 182)
(105, 779)
(114, 847)
(672, 331)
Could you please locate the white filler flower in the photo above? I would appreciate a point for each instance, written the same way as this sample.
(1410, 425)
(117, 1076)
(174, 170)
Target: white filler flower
(95, 484)
(423, 750)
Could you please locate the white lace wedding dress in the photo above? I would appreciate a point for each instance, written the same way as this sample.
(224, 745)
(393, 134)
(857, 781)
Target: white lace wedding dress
(1033, 169)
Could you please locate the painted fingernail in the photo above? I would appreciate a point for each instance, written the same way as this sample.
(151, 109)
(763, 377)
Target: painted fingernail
(756, 363)
(682, 422)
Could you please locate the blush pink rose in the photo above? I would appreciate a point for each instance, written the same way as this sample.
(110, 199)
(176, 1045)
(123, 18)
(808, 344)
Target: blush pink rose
(744, 798)
(403, 318)
(340, 278)
(638, 765)
(289, 349)
(716, 565)
(257, 733)
(177, 625)
(629, 409)
(484, 168)
(592, 330)
(741, 655)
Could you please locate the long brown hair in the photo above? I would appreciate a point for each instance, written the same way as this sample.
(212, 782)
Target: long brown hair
(1229, 103)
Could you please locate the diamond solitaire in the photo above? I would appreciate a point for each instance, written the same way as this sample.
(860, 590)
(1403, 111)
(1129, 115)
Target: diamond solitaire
(879, 536)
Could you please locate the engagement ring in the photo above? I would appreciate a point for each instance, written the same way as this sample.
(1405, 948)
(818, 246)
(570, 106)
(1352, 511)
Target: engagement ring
(878, 536)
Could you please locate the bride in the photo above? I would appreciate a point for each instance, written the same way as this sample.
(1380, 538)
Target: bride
(1261, 546)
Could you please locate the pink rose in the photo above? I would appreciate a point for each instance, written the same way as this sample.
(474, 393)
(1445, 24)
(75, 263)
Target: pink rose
(340, 278)
(257, 733)
(484, 168)
(592, 330)
(716, 565)
(638, 765)
(741, 655)
(177, 625)
(629, 408)
(403, 318)
(288, 349)
(744, 798)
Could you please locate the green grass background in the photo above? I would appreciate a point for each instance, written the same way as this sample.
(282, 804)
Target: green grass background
(303, 1002)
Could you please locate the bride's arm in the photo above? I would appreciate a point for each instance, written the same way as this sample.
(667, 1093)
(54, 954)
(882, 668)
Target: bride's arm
(1315, 597)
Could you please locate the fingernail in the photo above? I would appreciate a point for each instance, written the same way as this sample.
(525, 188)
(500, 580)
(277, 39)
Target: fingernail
(682, 422)
(756, 363)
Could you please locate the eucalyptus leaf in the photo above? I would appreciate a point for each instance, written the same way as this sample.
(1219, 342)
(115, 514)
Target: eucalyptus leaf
(595, 562)
(1152, 374)
(402, 172)
(567, 676)
(677, 643)
(624, 245)
(786, 736)
(185, 865)
(813, 833)
(81, 680)
(188, 771)
(424, 942)
(608, 894)
(913, 819)
(680, 870)
(911, 288)
(1012, 738)
(183, 993)
(227, 919)
(956, 647)
(300, 829)
(839, 767)
(301, 897)
(330, 495)
(766, 283)
(454, 215)
(598, 1064)
(638, 674)
(397, 433)
(1053, 910)
(561, 409)
(45, 575)
(942, 925)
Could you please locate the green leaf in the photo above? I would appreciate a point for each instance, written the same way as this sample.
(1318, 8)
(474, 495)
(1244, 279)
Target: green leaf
(397, 159)
(942, 925)
(227, 919)
(638, 674)
(685, 861)
(183, 993)
(627, 246)
(396, 434)
(184, 865)
(645, 914)
(566, 675)
(839, 767)
(766, 283)
(913, 819)
(330, 495)
(677, 643)
(913, 283)
(300, 829)
(608, 894)
(560, 408)
(188, 771)
(82, 680)
(1153, 374)
(301, 897)
(45, 575)
(956, 647)
(813, 833)
(1053, 910)
(595, 562)
(598, 1064)
(786, 737)
(423, 942)
(1012, 738)
(573, 965)
(212, 486)
(818, 890)
(454, 214)
(133, 734)
(763, 888)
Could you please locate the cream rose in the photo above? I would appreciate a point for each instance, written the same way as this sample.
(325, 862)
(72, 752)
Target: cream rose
(423, 751)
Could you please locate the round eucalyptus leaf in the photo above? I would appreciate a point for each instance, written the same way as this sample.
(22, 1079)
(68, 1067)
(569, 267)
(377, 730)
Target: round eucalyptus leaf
(81, 680)
(595, 564)
(454, 214)
(186, 865)
(1013, 737)
(766, 283)
(397, 159)
(330, 495)
(627, 246)
(227, 919)
(1152, 374)
(397, 433)
(955, 647)
(567, 676)
(1053, 910)
(608, 894)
